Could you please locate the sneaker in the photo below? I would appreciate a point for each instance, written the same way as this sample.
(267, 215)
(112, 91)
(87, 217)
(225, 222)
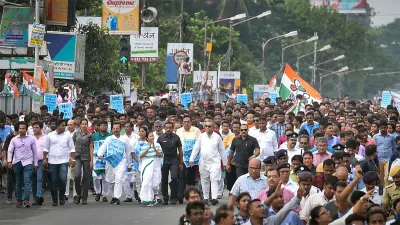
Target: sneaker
(27, 204)
(214, 202)
(84, 202)
(55, 203)
(97, 198)
(105, 199)
(128, 200)
(9, 200)
(19, 204)
(117, 202)
(113, 201)
(62, 202)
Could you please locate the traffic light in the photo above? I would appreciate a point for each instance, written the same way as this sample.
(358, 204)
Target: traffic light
(124, 52)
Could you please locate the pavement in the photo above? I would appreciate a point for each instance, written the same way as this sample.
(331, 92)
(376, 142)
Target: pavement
(94, 213)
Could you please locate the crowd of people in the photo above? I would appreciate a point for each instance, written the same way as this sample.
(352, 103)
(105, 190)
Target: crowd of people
(334, 162)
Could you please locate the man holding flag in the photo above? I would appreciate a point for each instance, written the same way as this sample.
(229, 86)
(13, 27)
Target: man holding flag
(118, 159)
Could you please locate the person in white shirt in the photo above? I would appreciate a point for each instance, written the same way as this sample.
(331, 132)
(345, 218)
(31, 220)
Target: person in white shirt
(319, 199)
(59, 153)
(266, 139)
(212, 151)
(129, 177)
(71, 170)
(291, 146)
(158, 130)
(116, 174)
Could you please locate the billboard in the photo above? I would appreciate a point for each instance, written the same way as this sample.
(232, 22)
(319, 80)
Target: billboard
(200, 79)
(121, 17)
(60, 12)
(144, 47)
(67, 52)
(227, 80)
(187, 48)
(14, 25)
(343, 6)
(262, 91)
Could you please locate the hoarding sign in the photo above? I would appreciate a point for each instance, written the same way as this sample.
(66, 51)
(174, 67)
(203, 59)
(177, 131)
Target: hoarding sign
(60, 12)
(15, 25)
(343, 6)
(121, 17)
(187, 48)
(144, 47)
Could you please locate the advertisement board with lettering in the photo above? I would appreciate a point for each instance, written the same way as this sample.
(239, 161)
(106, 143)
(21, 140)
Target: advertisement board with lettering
(144, 47)
(121, 17)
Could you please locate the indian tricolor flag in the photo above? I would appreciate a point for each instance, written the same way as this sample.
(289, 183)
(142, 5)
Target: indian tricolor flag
(292, 85)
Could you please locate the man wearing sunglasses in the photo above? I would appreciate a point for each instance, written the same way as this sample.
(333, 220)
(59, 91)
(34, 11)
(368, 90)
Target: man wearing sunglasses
(246, 148)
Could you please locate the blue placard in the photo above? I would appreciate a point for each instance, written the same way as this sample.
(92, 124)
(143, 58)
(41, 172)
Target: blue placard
(66, 108)
(51, 101)
(115, 152)
(99, 164)
(386, 99)
(117, 103)
(273, 96)
(186, 99)
(242, 98)
(188, 145)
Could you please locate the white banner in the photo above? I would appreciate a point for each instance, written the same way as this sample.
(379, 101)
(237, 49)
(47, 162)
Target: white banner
(172, 48)
(229, 75)
(144, 48)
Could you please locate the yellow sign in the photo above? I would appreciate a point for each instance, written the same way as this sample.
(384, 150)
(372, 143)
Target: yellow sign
(237, 82)
(60, 12)
(244, 91)
(121, 17)
(209, 47)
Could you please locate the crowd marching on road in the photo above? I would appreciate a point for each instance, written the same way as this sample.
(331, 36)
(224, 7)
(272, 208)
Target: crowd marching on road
(333, 162)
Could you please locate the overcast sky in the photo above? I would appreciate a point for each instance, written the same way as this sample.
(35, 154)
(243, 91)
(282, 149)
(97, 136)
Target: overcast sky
(386, 11)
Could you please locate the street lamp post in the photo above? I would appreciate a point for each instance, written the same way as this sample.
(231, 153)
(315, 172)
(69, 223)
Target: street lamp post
(231, 25)
(264, 44)
(314, 67)
(326, 47)
(314, 38)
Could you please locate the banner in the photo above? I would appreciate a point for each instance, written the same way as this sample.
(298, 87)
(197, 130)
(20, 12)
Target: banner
(262, 92)
(144, 47)
(121, 16)
(60, 12)
(386, 99)
(98, 164)
(187, 48)
(292, 85)
(186, 99)
(115, 152)
(242, 98)
(65, 108)
(200, 79)
(188, 145)
(396, 100)
(9, 87)
(36, 35)
(343, 6)
(50, 100)
(117, 103)
(32, 86)
(227, 80)
(67, 52)
(15, 25)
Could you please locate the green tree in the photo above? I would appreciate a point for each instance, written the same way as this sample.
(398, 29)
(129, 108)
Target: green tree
(102, 66)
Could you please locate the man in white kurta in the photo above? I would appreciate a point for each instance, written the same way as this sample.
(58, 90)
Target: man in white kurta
(212, 151)
(116, 174)
(130, 176)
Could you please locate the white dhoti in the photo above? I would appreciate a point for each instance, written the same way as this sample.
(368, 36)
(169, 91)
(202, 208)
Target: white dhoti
(151, 179)
(210, 173)
(116, 176)
(101, 186)
(128, 180)
(70, 177)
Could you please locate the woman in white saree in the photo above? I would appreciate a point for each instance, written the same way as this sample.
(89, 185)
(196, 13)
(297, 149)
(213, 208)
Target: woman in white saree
(150, 169)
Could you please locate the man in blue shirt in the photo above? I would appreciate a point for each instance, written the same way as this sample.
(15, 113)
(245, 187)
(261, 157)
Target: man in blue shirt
(277, 204)
(310, 125)
(386, 146)
(5, 130)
